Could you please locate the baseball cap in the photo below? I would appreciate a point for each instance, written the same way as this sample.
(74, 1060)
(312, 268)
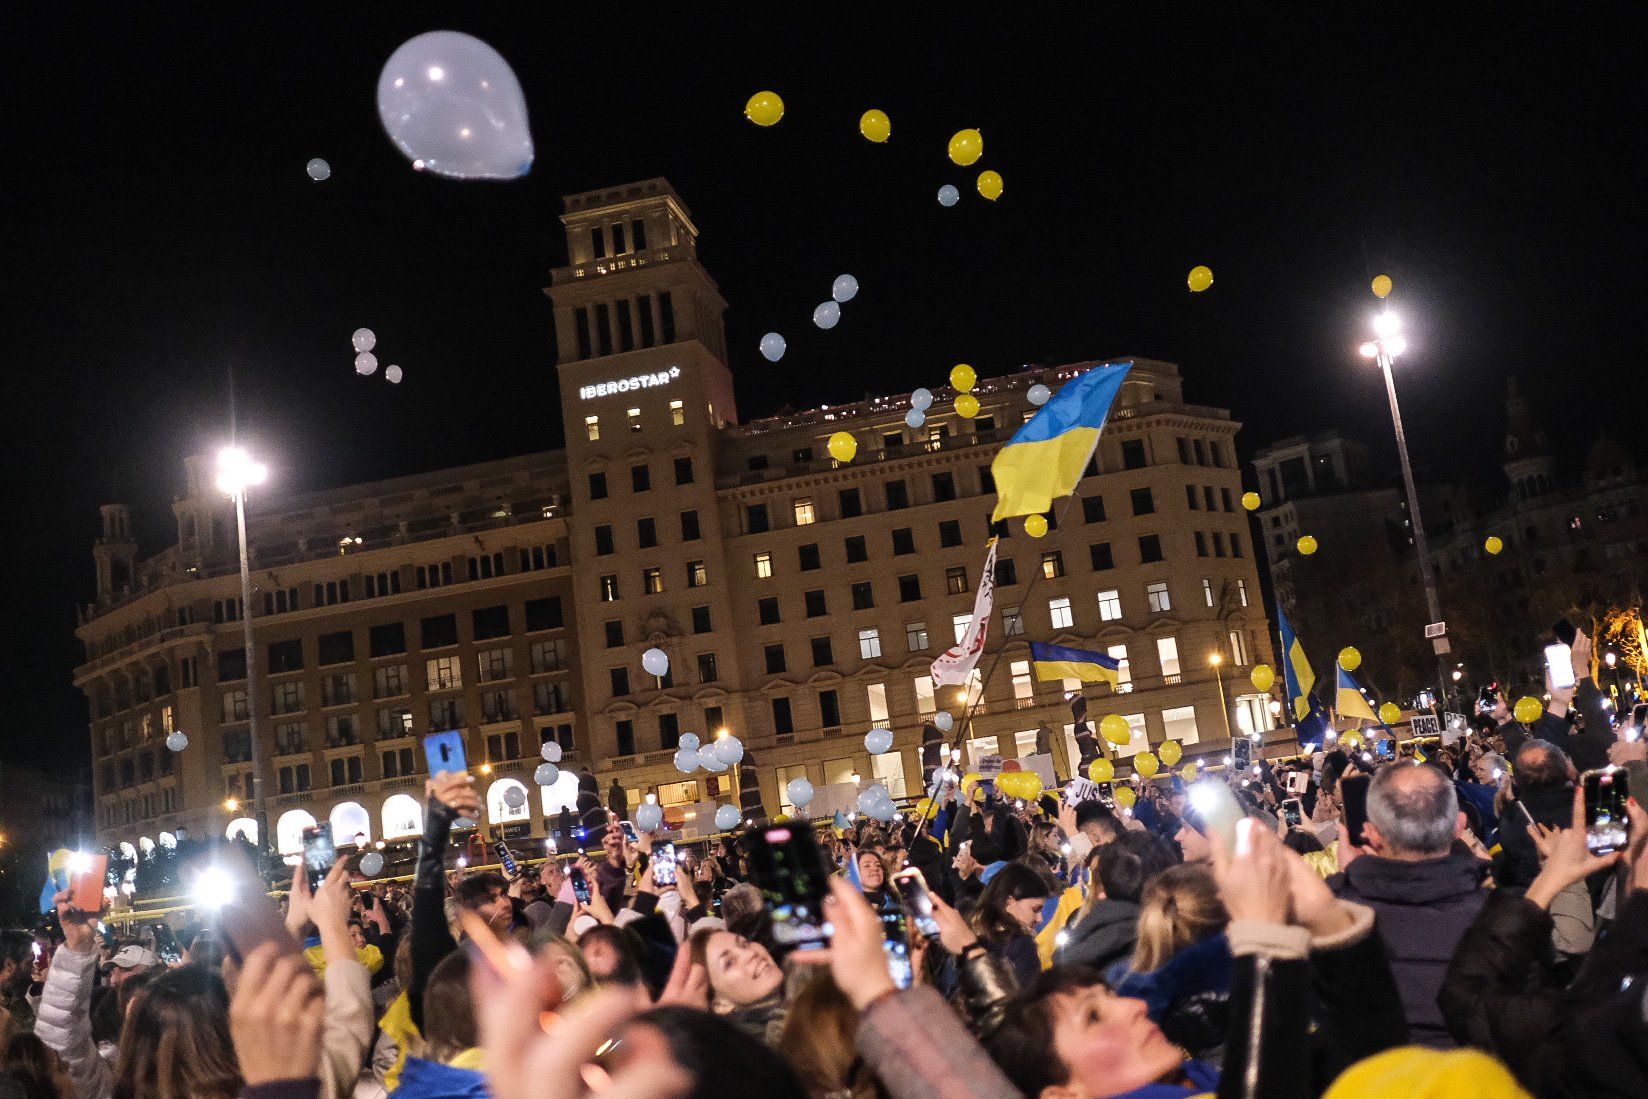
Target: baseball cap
(132, 957)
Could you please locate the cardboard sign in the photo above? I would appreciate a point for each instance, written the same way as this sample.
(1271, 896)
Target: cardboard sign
(1424, 725)
(989, 767)
(1078, 790)
(1042, 765)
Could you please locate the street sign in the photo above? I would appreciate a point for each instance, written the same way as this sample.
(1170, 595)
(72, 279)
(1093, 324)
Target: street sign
(1436, 629)
(1441, 646)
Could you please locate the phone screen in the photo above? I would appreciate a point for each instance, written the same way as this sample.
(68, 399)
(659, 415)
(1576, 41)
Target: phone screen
(318, 854)
(580, 885)
(445, 752)
(1353, 793)
(505, 858)
(663, 865)
(895, 940)
(166, 945)
(1607, 823)
(1218, 809)
(1107, 794)
(1293, 812)
(629, 831)
(919, 902)
(1385, 749)
(1559, 665)
(1241, 753)
(1298, 782)
(790, 873)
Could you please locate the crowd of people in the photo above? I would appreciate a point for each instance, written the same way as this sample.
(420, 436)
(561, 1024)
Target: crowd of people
(1433, 924)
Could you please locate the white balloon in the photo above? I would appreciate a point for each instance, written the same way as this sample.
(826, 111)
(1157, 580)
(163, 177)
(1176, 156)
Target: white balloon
(728, 750)
(371, 864)
(709, 761)
(827, 315)
(845, 288)
(870, 797)
(655, 661)
(726, 818)
(1038, 394)
(943, 722)
(514, 796)
(877, 741)
(366, 363)
(363, 339)
(773, 347)
(800, 791)
(948, 195)
(690, 741)
(547, 774)
(551, 751)
(318, 169)
(393, 374)
(884, 811)
(648, 818)
(177, 740)
(686, 760)
(922, 399)
(915, 417)
(452, 105)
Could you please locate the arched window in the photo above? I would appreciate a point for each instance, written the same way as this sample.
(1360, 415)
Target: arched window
(289, 831)
(402, 816)
(498, 811)
(242, 826)
(351, 824)
(562, 795)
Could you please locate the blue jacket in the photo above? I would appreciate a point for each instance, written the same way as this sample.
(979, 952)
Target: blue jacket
(422, 1079)
(1188, 997)
(1204, 1078)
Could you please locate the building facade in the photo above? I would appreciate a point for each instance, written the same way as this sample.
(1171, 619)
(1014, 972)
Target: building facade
(800, 599)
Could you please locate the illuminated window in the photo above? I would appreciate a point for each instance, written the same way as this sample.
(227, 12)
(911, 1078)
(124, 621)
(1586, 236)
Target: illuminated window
(869, 643)
(1124, 673)
(955, 580)
(592, 427)
(678, 414)
(652, 581)
(804, 512)
(697, 574)
(635, 419)
(1241, 591)
(924, 694)
(1059, 610)
(1167, 650)
(1012, 622)
(960, 622)
(915, 636)
(1023, 689)
(1052, 564)
(763, 566)
(877, 694)
(1207, 591)
(1157, 594)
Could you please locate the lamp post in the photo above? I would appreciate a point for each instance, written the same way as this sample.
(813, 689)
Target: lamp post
(237, 472)
(1217, 660)
(1388, 343)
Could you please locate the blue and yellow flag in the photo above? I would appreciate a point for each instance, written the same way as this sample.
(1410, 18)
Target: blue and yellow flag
(1047, 456)
(57, 878)
(1350, 701)
(1058, 662)
(1310, 717)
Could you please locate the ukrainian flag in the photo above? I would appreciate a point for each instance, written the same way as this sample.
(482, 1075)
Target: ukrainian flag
(1297, 675)
(1350, 700)
(1046, 457)
(1058, 662)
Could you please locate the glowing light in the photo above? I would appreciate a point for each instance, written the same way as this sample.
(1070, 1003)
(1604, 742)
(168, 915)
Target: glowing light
(79, 862)
(1386, 325)
(437, 73)
(1370, 350)
(1216, 659)
(231, 804)
(214, 888)
(236, 471)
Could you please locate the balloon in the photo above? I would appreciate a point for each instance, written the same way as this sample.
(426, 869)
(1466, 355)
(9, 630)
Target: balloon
(943, 722)
(1251, 501)
(948, 195)
(827, 315)
(709, 761)
(686, 759)
(547, 774)
(962, 378)
(1189, 772)
(1350, 658)
(1115, 729)
(1170, 752)
(845, 288)
(989, 185)
(1307, 545)
(843, 446)
(921, 399)
(1263, 676)
(729, 750)
(1200, 279)
(884, 811)
(772, 347)
(1010, 784)
(875, 126)
(1528, 709)
(393, 375)
(726, 818)
(689, 741)
(1351, 740)
(1035, 525)
(318, 169)
(1381, 286)
(366, 363)
(1390, 713)
(800, 791)
(371, 864)
(764, 108)
(969, 782)
(655, 661)
(1125, 797)
(1101, 770)
(967, 406)
(363, 339)
(1011, 765)
(551, 751)
(1028, 785)
(878, 740)
(1038, 394)
(648, 818)
(453, 106)
(177, 740)
(514, 797)
(869, 797)
(915, 417)
(966, 147)
(1146, 764)
(1494, 545)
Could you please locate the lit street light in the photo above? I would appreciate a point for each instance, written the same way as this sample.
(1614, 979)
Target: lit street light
(1217, 660)
(236, 473)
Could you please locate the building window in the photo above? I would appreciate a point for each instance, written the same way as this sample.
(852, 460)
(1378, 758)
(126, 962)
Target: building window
(755, 519)
(1092, 509)
(955, 580)
(1024, 689)
(1190, 498)
(804, 516)
(618, 678)
(287, 698)
(683, 468)
(597, 486)
(652, 581)
(1218, 544)
(1102, 556)
(944, 487)
(898, 495)
(285, 656)
(909, 588)
(603, 540)
(1238, 648)
(1133, 454)
(783, 719)
(335, 648)
(949, 533)
(701, 619)
(987, 480)
(544, 614)
(495, 664)
(1012, 621)
(863, 596)
(1167, 651)
(443, 673)
(640, 478)
(547, 656)
(1201, 544)
(767, 610)
(1158, 598)
(625, 731)
(389, 681)
(445, 714)
(1124, 668)
(815, 604)
(1241, 591)
(807, 557)
(669, 730)
(823, 651)
(1236, 545)
(1150, 548)
(876, 695)
(857, 549)
(646, 533)
(497, 706)
(697, 574)
(915, 636)
(1052, 564)
(904, 541)
(706, 668)
(1179, 724)
(551, 698)
(490, 622)
(609, 589)
(1207, 591)
(850, 502)
(829, 709)
(774, 654)
(925, 703)
(234, 706)
(615, 634)
(634, 413)
(1143, 502)
(959, 624)
(1059, 611)
(1007, 573)
(585, 350)
(763, 565)
(1207, 497)
(689, 526)
(678, 411)
(869, 644)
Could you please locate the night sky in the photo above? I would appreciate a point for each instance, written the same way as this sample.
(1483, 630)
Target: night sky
(162, 236)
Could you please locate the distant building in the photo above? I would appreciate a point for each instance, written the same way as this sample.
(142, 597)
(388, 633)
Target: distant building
(38, 814)
(800, 599)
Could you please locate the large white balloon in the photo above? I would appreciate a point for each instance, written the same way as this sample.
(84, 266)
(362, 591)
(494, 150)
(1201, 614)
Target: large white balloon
(728, 750)
(648, 818)
(948, 195)
(318, 169)
(177, 740)
(393, 375)
(690, 741)
(845, 288)
(1038, 394)
(800, 791)
(371, 864)
(870, 797)
(922, 399)
(709, 761)
(655, 661)
(915, 417)
(884, 810)
(726, 818)
(363, 339)
(943, 722)
(772, 347)
(514, 796)
(552, 751)
(686, 760)
(827, 315)
(452, 105)
(877, 741)
(547, 774)
(366, 363)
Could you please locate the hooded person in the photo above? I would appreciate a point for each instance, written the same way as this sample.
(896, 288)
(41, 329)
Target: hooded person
(1107, 928)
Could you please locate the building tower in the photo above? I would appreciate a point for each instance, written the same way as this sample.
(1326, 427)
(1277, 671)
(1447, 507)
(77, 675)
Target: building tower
(1528, 462)
(114, 553)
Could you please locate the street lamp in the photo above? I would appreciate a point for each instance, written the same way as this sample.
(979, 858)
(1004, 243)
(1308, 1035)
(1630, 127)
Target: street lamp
(236, 473)
(1217, 660)
(1388, 343)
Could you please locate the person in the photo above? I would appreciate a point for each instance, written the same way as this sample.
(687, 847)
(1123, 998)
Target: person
(275, 1021)
(487, 895)
(548, 912)
(745, 984)
(1424, 895)
(16, 975)
(612, 872)
(1181, 965)
(1105, 932)
(872, 876)
(571, 970)
(1543, 786)
(176, 1042)
(129, 961)
(1090, 824)
(446, 1064)
(1008, 913)
(30, 1063)
(612, 955)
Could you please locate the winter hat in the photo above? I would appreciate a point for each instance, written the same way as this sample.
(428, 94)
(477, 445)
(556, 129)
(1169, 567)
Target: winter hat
(1414, 1072)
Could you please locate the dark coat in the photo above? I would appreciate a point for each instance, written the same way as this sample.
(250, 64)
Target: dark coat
(1102, 937)
(1421, 911)
(1517, 863)
(1188, 997)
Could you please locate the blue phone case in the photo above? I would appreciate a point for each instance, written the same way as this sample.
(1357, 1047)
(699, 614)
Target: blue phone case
(445, 752)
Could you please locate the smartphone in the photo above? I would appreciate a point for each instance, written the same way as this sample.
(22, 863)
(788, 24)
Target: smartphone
(318, 854)
(663, 864)
(445, 752)
(1107, 794)
(1607, 823)
(166, 945)
(1218, 809)
(1297, 782)
(918, 902)
(1565, 632)
(628, 829)
(1241, 754)
(1559, 665)
(86, 887)
(506, 859)
(249, 918)
(1384, 749)
(580, 885)
(895, 941)
(1293, 813)
(1353, 795)
(788, 869)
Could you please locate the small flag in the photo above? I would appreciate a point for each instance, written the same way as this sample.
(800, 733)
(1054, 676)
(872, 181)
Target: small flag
(1047, 456)
(1058, 662)
(1350, 701)
(955, 664)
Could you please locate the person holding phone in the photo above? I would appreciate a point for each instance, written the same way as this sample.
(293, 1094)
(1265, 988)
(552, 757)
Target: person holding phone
(449, 796)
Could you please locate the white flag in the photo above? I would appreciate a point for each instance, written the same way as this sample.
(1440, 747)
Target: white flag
(956, 663)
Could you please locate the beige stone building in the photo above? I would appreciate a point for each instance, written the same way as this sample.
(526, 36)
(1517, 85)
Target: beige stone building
(800, 600)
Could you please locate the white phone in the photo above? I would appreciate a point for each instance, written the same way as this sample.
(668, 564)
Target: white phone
(1559, 665)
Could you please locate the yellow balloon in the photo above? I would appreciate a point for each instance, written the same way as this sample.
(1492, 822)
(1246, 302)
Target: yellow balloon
(1170, 752)
(968, 781)
(1263, 675)
(1381, 285)
(1125, 797)
(1307, 545)
(1390, 713)
(1115, 729)
(1251, 501)
(764, 108)
(1528, 709)
(1350, 658)
(1200, 279)
(1035, 525)
(1029, 785)
(989, 185)
(924, 807)
(1351, 740)
(966, 147)
(967, 406)
(1146, 764)
(843, 446)
(875, 126)
(1101, 770)
(1494, 545)
(1189, 772)
(962, 378)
